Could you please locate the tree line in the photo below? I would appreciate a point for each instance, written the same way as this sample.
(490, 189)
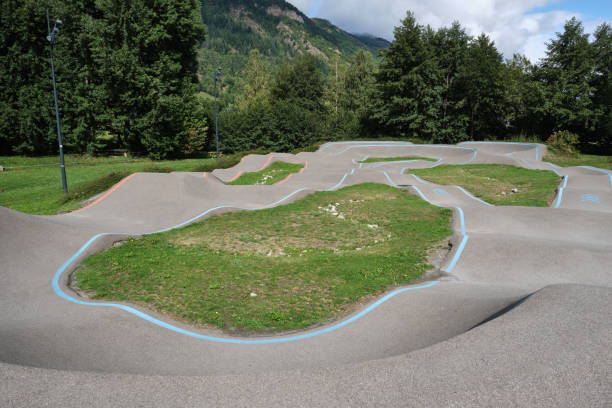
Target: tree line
(128, 70)
(438, 86)
(125, 68)
(446, 86)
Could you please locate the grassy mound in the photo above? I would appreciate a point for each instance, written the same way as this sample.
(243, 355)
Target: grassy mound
(276, 269)
(274, 173)
(497, 184)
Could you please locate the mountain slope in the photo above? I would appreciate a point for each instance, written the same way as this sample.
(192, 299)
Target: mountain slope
(274, 27)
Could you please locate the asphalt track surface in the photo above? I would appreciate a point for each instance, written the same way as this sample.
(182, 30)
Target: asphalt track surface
(520, 317)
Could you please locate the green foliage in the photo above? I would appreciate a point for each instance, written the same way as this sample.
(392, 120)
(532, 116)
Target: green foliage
(564, 140)
(289, 118)
(566, 71)
(127, 67)
(300, 83)
(564, 159)
(441, 85)
(256, 80)
(237, 27)
(445, 86)
(601, 83)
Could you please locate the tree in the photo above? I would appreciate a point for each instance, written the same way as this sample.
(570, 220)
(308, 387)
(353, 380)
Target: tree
(120, 65)
(26, 102)
(567, 73)
(480, 81)
(359, 83)
(451, 53)
(255, 81)
(408, 97)
(300, 83)
(601, 83)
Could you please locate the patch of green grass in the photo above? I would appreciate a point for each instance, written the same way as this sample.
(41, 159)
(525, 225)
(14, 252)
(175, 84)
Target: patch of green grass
(391, 159)
(34, 186)
(276, 269)
(274, 173)
(494, 183)
(569, 160)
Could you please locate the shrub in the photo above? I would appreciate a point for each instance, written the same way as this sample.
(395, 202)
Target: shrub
(564, 140)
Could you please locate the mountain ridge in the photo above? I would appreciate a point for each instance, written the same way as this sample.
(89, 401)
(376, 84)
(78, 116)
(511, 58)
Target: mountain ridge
(278, 30)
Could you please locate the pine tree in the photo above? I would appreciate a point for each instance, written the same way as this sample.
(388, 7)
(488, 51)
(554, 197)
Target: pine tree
(481, 82)
(256, 80)
(601, 84)
(567, 73)
(408, 97)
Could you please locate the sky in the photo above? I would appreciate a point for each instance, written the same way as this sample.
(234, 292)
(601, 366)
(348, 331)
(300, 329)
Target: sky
(516, 26)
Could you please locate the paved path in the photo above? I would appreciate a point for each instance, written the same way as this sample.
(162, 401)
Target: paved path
(423, 346)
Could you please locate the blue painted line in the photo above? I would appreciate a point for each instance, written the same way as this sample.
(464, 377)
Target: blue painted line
(420, 193)
(440, 191)
(389, 178)
(554, 170)
(352, 171)
(220, 207)
(560, 197)
(439, 162)
(465, 238)
(451, 266)
(601, 171)
(339, 184)
(436, 164)
(528, 164)
(462, 220)
(168, 326)
(467, 193)
(360, 165)
(511, 143)
(57, 289)
(421, 180)
(593, 198)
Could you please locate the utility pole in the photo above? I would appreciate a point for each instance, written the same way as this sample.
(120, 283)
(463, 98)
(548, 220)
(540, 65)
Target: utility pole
(51, 39)
(217, 76)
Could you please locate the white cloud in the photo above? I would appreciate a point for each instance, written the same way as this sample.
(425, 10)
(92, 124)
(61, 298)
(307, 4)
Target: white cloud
(513, 25)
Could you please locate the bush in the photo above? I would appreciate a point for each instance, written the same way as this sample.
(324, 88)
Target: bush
(280, 127)
(565, 141)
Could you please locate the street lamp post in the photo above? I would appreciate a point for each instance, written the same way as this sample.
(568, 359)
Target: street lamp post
(51, 39)
(217, 75)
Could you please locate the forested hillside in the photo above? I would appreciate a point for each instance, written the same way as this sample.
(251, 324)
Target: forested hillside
(276, 29)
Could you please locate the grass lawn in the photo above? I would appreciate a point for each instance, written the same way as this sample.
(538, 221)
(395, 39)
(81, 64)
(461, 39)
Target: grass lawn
(391, 159)
(34, 186)
(569, 160)
(274, 173)
(275, 269)
(494, 183)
